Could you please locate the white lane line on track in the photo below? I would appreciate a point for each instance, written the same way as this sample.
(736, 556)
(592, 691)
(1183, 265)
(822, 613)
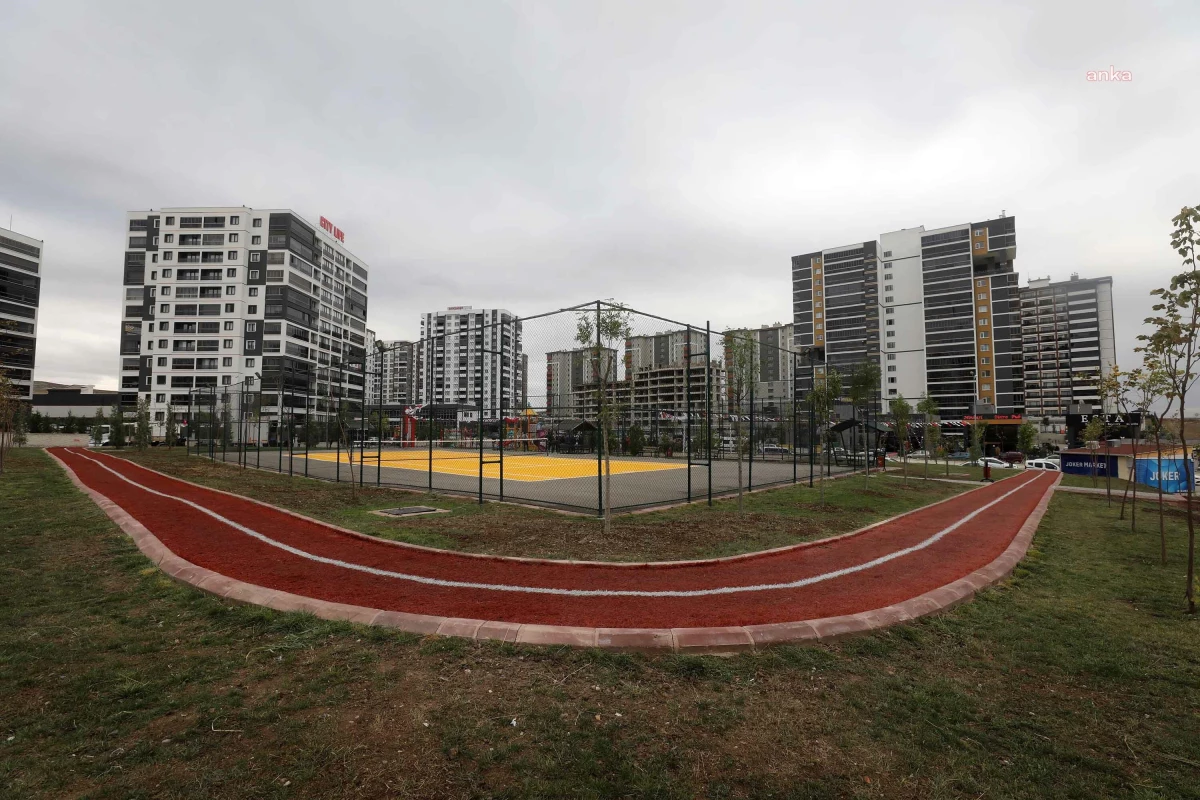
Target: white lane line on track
(764, 587)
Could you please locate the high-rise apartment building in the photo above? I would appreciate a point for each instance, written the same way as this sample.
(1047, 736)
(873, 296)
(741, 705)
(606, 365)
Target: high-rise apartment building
(774, 365)
(471, 355)
(397, 372)
(1068, 340)
(20, 292)
(213, 296)
(937, 309)
(570, 371)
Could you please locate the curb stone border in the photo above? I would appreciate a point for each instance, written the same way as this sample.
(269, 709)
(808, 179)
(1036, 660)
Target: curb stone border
(714, 640)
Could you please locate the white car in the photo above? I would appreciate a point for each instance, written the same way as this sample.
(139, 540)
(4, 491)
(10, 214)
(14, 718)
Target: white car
(994, 463)
(1044, 464)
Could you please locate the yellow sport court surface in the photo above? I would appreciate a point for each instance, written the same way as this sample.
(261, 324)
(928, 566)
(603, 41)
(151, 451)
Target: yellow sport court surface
(518, 466)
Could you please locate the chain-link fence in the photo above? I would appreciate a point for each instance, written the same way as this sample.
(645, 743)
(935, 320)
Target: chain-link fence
(579, 409)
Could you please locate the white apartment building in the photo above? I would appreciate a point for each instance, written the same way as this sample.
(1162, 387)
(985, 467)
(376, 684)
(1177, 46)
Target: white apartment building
(1068, 341)
(472, 355)
(20, 292)
(212, 296)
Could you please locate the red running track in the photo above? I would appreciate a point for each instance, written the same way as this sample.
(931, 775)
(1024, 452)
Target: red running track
(879, 566)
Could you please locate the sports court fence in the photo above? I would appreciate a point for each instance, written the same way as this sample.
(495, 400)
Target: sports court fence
(578, 409)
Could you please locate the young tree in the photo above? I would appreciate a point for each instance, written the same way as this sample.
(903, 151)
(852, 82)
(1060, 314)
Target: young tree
(1148, 386)
(170, 427)
(821, 400)
(600, 331)
(901, 413)
(864, 382)
(637, 440)
(1027, 438)
(142, 435)
(1092, 432)
(117, 422)
(978, 439)
(1176, 327)
(930, 434)
(741, 354)
(8, 414)
(98, 423)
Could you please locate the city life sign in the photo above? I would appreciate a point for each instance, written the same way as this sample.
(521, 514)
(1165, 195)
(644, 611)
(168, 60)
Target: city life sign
(333, 229)
(1079, 420)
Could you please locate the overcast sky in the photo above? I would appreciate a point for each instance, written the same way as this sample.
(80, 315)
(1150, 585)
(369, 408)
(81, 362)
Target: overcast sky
(672, 156)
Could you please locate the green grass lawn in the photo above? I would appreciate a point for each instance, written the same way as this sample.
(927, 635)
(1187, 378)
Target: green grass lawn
(1078, 678)
(771, 518)
(961, 471)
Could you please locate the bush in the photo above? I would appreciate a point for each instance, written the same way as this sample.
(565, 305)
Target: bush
(637, 440)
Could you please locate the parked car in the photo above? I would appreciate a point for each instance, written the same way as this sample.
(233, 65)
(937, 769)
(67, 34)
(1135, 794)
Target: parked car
(775, 450)
(1043, 464)
(994, 463)
(920, 454)
(1013, 457)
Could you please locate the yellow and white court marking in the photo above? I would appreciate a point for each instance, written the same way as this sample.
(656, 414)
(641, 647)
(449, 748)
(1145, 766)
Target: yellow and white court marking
(517, 466)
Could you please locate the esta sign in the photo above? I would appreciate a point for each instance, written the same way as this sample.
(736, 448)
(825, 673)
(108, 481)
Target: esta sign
(335, 230)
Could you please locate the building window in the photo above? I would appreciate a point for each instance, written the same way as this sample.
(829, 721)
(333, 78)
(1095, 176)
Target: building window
(891, 380)
(891, 368)
(891, 321)
(233, 237)
(162, 326)
(164, 309)
(166, 273)
(253, 274)
(887, 276)
(983, 334)
(168, 256)
(227, 362)
(987, 387)
(251, 309)
(257, 222)
(887, 288)
(890, 334)
(983, 348)
(982, 282)
(170, 221)
(154, 258)
(162, 362)
(227, 344)
(981, 296)
(256, 256)
(979, 245)
(234, 220)
(255, 240)
(251, 344)
(231, 255)
(891, 356)
(230, 290)
(890, 311)
(250, 363)
(887, 253)
(228, 324)
(889, 299)
(891, 344)
(982, 309)
(251, 327)
(229, 308)
(985, 360)
(987, 373)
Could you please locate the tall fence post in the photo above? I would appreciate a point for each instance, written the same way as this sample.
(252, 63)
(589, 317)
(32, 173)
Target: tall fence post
(795, 419)
(687, 396)
(600, 433)
(750, 465)
(708, 404)
(479, 423)
(308, 427)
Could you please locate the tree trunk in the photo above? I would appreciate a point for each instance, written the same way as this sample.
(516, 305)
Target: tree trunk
(1133, 484)
(1162, 530)
(1190, 593)
(737, 446)
(607, 482)
(1108, 472)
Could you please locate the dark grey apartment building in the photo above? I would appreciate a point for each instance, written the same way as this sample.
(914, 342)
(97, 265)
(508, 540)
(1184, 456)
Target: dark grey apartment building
(20, 293)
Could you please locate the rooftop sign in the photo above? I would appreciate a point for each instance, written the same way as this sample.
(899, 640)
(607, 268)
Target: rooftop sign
(333, 229)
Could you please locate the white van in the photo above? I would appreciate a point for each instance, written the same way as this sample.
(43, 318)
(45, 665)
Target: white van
(1043, 463)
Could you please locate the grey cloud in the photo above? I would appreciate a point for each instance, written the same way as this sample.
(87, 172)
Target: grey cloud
(532, 155)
